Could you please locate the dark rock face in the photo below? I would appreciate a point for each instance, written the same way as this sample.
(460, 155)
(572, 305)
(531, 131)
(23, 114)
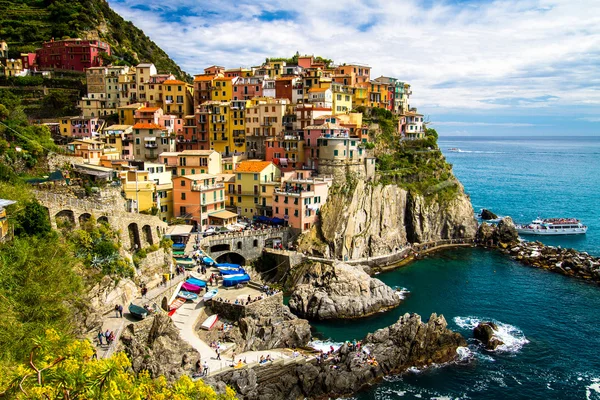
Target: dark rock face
(340, 291)
(486, 215)
(154, 345)
(407, 343)
(484, 332)
(503, 234)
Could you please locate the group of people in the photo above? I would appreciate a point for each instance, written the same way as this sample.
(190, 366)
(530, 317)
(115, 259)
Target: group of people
(264, 360)
(106, 338)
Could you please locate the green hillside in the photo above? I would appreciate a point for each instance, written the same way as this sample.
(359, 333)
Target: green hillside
(26, 24)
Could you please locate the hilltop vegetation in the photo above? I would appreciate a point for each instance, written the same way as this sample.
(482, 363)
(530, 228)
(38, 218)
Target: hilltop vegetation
(26, 24)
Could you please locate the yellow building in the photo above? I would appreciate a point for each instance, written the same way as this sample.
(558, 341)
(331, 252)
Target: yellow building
(13, 67)
(164, 201)
(218, 126)
(127, 113)
(378, 94)
(342, 99)
(127, 88)
(192, 162)
(255, 182)
(360, 95)
(178, 98)
(4, 226)
(222, 89)
(138, 189)
(143, 72)
(237, 127)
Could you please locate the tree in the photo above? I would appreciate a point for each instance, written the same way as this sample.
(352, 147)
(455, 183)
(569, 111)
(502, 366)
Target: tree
(431, 132)
(61, 368)
(33, 220)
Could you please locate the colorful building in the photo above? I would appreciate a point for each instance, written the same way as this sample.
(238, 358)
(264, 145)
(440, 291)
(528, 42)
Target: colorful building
(127, 113)
(200, 200)
(255, 182)
(222, 89)
(193, 162)
(121, 138)
(138, 190)
(299, 199)
(4, 226)
(178, 98)
(203, 87)
(90, 150)
(71, 54)
(286, 151)
(150, 140)
(341, 98)
(264, 119)
(81, 127)
(352, 74)
(247, 88)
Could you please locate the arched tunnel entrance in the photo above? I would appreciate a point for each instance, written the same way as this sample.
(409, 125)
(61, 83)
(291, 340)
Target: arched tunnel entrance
(232, 258)
(65, 217)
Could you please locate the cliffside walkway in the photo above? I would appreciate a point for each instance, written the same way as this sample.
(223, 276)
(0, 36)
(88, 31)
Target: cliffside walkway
(112, 323)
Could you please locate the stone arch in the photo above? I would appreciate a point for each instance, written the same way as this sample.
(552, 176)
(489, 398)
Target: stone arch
(239, 245)
(232, 258)
(83, 218)
(134, 236)
(103, 220)
(220, 247)
(65, 217)
(148, 234)
(271, 241)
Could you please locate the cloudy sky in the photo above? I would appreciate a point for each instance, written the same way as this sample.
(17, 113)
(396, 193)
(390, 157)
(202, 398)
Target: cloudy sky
(512, 67)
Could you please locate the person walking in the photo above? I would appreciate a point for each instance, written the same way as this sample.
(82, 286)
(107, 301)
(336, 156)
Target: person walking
(205, 369)
(100, 336)
(218, 353)
(144, 291)
(116, 311)
(120, 311)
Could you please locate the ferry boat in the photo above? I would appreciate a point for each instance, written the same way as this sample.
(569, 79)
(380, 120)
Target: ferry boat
(553, 226)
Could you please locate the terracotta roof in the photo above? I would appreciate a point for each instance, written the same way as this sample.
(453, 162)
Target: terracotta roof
(224, 78)
(252, 166)
(173, 82)
(200, 78)
(317, 89)
(149, 109)
(147, 126)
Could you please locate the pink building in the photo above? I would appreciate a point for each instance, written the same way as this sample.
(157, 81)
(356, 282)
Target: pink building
(314, 132)
(299, 198)
(247, 88)
(82, 127)
(29, 60)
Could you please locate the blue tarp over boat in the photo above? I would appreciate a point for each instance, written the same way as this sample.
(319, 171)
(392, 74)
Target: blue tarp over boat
(228, 265)
(234, 280)
(208, 260)
(179, 245)
(196, 281)
(226, 272)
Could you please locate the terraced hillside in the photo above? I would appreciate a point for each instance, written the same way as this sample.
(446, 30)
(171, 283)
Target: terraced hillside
(26, 24)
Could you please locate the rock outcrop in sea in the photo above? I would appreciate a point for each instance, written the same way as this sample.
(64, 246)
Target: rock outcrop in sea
(485, 333)
(340, 291)
(486, 215)
(503, 234)
(369, 220)
(407, 343)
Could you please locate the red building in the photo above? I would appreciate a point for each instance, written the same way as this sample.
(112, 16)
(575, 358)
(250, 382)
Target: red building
(284, 87)
(247, 88)
(71, 54)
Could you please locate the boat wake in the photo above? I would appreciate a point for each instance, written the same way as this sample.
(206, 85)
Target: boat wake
(401, 292)
(512, 337)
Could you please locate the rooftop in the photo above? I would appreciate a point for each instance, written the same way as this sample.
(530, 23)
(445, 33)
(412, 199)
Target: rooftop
(149, 109)
(173, 82)
(252, 166)
(198, 177)
(147, 126)
(196, 153)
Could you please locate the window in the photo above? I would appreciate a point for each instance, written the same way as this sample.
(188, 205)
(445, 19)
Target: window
(255, 177)
(182, 196)
(182, 210)
(335, 152)
(255, 243)
(182, 181)
(286, 211)
(295, 213)
(239, 199)
(239, 176)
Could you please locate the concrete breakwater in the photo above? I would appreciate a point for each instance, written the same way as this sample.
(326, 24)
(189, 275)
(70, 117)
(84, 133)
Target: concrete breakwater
(569, 262)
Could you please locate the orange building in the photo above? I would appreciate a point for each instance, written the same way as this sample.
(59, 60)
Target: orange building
(201, 197)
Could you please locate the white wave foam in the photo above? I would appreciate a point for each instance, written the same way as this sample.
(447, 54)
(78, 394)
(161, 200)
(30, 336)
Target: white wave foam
(512, 337)
(324, 345)
(401, 292)
(592, 388)
(464, 353)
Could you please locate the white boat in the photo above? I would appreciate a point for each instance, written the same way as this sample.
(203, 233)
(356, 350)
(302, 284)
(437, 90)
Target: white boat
(455, 150)
(553, 227)
(210, 322)
(210, 294)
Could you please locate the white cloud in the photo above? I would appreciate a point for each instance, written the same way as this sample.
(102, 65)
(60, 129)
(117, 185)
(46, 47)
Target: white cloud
(457, 56)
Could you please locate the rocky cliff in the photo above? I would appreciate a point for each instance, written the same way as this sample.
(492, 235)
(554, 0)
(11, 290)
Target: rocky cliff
(340, 291)
(369, 220)
(407, 343)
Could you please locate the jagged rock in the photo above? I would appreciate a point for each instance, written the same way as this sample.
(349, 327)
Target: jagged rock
(340, 291)
(407, 343)
(274, 331)
(154, 345)
(504, 233)
(486, 215)
(375, 220)
(485, 332)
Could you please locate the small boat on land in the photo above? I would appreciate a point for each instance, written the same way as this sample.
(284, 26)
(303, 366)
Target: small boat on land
(188, 287)
(137, 311)
(178, 246)
(209, 295)
(178, 302)
(229, 272)
(195, 282)
(187, 295)
(232, 280)
(553, 227)
(210, 322)
(208, 260)
(227, 265)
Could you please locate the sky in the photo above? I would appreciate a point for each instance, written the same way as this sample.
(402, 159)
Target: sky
(477, 67)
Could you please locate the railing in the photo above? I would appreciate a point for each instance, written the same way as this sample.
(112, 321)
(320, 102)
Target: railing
(203, 188)
(151, 145)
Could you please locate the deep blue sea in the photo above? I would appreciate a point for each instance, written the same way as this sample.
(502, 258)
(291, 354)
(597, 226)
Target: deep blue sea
(550, 323)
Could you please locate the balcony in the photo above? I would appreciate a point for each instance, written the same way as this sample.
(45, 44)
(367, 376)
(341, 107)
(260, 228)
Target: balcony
(203, 188)
(266, 123)
(151, 145)
(220, 139)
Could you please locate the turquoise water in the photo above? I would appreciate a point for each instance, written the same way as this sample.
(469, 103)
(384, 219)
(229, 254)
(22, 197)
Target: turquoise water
(549, 322)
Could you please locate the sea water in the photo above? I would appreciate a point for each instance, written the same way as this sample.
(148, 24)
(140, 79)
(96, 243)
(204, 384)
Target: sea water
(549, 323)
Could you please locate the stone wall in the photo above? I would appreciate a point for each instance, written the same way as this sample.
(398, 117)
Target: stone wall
(248, 244)
(233, 312)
